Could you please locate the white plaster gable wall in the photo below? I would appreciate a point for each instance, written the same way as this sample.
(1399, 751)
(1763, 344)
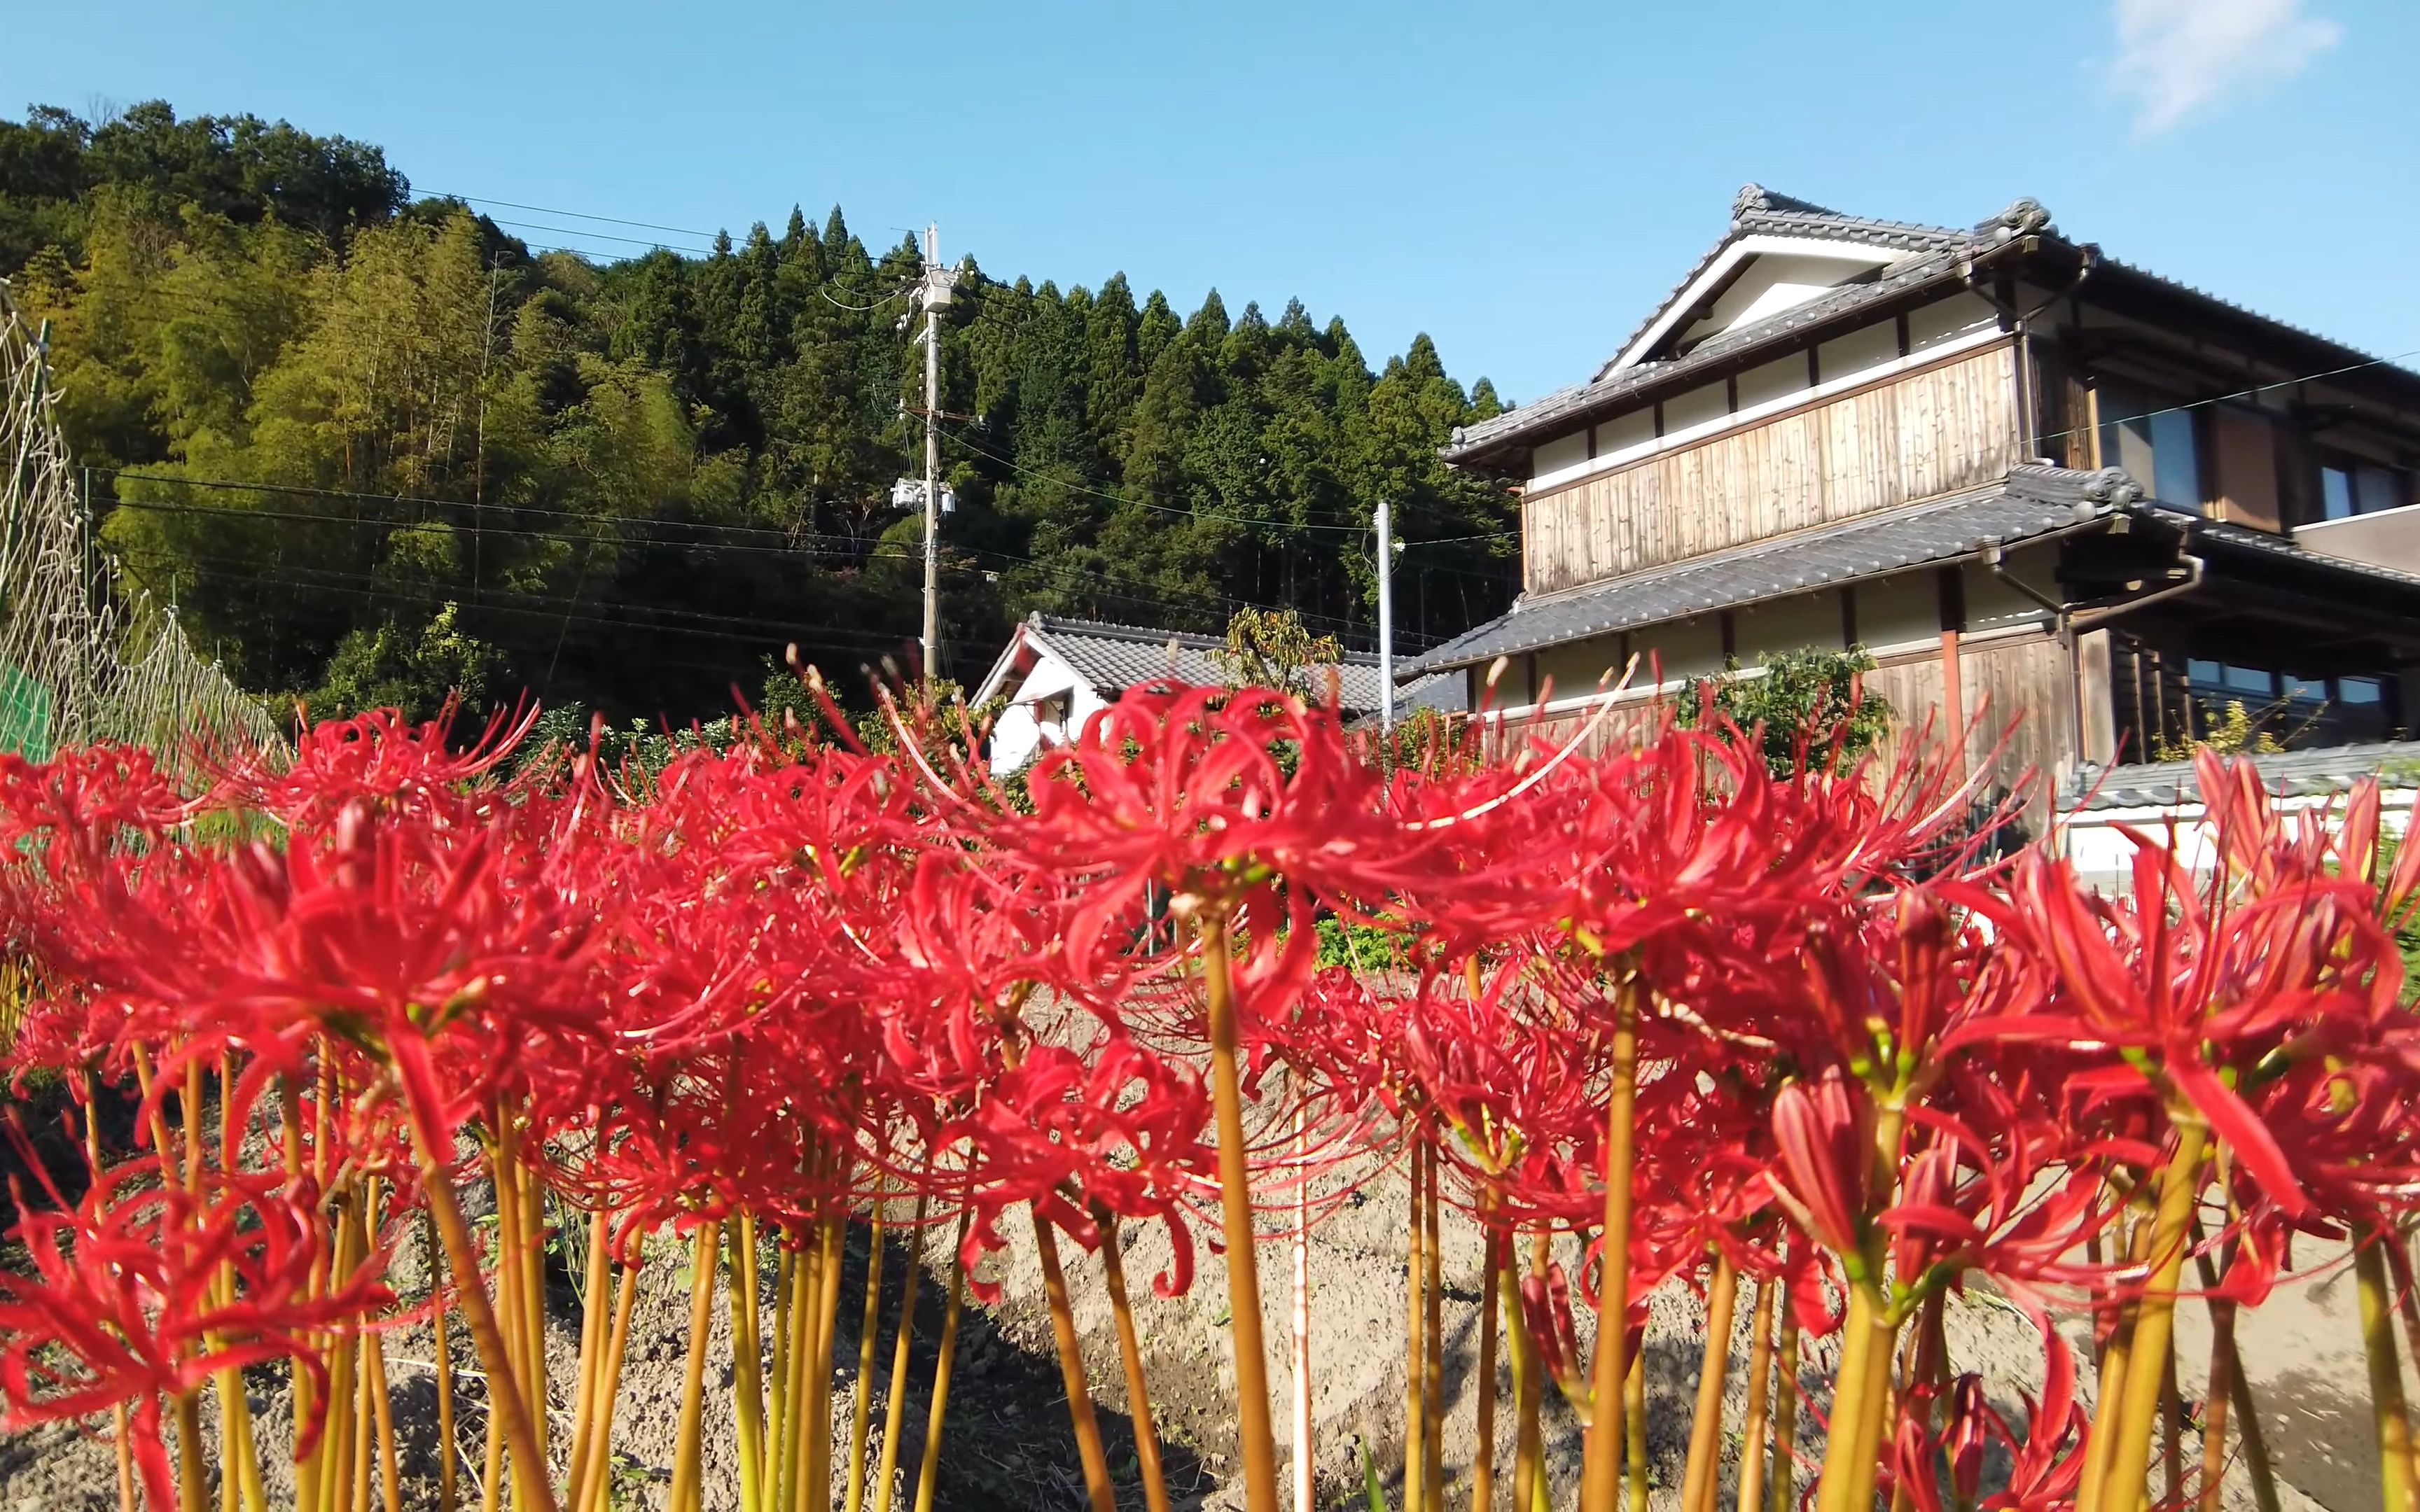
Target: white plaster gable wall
(1017, 736)
(1792, 259)
(1778, 282)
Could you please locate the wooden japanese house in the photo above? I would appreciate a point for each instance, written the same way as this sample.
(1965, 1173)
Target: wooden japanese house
(2024, 476)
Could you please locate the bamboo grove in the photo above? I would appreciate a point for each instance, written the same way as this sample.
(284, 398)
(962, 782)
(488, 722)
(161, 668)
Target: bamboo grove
(1798, 1046)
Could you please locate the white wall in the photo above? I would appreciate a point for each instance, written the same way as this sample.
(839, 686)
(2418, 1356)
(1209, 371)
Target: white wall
(2105, 858)
(1805, 622)
(1774, 282)
(1894, 611)
(1636, 428)
(1945, 321)
(1869, 346)
(1018, 737)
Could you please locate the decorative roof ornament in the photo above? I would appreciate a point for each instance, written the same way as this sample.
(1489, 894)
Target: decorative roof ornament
(2113, 487)
(2026, 218)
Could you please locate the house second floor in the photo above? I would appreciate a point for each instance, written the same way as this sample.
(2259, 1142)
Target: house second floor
(1814, 367)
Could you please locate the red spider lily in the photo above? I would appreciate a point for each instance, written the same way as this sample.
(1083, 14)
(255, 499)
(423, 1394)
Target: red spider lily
(2194, 988)
(123, 1302)
(377, 756)
(1119, 1127)
(1825, 1135)
(1958, 1444)
(83, 801)
(1185, 790)
(1516, 1090)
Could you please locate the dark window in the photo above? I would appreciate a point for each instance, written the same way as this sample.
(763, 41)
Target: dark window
(2357, 691)
(2155, 440)
(2348, 487)
(2336, 493)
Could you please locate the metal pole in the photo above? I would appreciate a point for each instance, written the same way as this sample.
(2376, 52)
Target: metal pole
(1386, 619)
(933, 285)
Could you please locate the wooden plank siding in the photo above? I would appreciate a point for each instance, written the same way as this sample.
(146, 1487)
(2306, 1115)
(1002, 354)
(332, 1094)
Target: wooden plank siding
(2020, 716)
(1933, 431)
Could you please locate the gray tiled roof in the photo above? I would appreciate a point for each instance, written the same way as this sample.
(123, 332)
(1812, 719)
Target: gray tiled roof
(2268, 543)
(1756, 211)
(1114, 658)
(2285, 774)
(1901, 277)
(1930, 253)
(2031, 502)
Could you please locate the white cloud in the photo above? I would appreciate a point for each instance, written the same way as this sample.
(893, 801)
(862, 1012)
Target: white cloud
(2178, 56)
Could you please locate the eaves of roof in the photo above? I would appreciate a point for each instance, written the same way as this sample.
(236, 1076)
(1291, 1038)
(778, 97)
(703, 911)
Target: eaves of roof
(2030, 502)
(1910, 275)
(1930, 253)
(2293, 774)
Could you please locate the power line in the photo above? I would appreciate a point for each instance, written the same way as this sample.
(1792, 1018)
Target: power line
(577, 215)
(593, 235)
(843, 549)
(369, 585)
(960, 436)
(2251, 393)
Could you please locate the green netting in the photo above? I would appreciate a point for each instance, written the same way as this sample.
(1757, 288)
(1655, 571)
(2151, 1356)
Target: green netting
(77, 662)
(25, 716)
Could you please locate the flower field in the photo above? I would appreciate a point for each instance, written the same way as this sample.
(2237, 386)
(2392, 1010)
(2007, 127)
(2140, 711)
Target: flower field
(1812, 1047)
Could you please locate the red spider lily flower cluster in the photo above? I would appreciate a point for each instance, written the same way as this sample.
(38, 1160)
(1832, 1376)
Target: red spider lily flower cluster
(1695, 1023)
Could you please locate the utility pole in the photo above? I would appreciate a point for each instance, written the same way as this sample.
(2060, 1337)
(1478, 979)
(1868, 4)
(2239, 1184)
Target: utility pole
(1386, 618)
(935, 298)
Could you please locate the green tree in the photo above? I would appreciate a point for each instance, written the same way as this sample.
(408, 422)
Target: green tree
(389, 667)
(1273, 649)
(1799, 705)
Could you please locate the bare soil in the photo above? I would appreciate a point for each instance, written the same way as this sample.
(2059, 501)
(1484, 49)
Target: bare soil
(1008, 1444)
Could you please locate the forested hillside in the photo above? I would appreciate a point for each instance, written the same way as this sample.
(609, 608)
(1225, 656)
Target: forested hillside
(372, 444)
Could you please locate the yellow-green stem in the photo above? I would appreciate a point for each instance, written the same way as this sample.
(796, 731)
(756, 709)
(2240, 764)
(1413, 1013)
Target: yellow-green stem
(193, 1476)
(1781, 1486)
(928, 1474)
(1416, 1393)
(1763, 1302)
(1704, 1463)
(2130, 1451)
(1603, 1447)
(1146, 1432)
(748, 1365)
(1256, 1433)
(1432, 1338)
(594, 1485)
(504, 1397)
(120, 1418)
(1835, 1484)
(689, 1443)
(533, 1259)
(903, 1338)
(791, 1474)
(818, 1422)
(1080, 1416)
(2407, 1303)
(1633, 1437)
(894, 1411)
(382, 1404)
(777, 1416)
(1528, 1382)
(448, 1452)
(2392, 1425)
(869, 1334)
(1483, 1459)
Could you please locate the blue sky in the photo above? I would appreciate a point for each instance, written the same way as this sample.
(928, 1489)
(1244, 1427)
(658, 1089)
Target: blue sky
(1523, 182)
